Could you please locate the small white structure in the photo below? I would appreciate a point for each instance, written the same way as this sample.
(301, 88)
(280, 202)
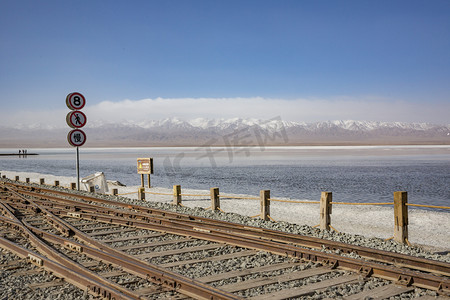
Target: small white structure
(97, 180)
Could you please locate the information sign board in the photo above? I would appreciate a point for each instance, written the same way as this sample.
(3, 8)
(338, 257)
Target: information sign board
(145, 165)
(76, 119)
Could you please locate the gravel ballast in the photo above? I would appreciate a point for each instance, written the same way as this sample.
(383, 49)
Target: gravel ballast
(17, 284)
(441, 243)
(212, 268)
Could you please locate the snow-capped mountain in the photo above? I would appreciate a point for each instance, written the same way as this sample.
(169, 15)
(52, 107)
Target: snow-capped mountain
(236, 123)
(236, 131)
(199, 123)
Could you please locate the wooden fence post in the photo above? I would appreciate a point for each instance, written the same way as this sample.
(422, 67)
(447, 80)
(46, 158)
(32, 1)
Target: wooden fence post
(56, 182)
(141, 193)
(401, 217)
(115, 192)
(27, 180)
(176, 195)
(325, 210)
(17, 178)
(73, 185)
(41, 181)
(92, 189)
(215, 201)
(264, 195)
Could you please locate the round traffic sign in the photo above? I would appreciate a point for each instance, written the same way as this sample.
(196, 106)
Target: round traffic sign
(75, 101)
(76, 119)
(76, 138)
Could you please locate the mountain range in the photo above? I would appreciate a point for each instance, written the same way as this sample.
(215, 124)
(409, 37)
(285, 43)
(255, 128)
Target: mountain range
(230, 132)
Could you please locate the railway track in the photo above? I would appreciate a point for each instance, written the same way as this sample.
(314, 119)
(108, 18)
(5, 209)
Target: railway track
(124, 251)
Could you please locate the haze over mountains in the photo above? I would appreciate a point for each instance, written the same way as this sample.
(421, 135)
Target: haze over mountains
(229, 132)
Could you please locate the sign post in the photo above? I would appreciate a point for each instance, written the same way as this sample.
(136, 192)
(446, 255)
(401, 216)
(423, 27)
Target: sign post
(76, 119)
(145, 166)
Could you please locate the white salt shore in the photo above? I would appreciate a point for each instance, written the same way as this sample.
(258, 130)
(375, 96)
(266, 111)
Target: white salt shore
(427, 228)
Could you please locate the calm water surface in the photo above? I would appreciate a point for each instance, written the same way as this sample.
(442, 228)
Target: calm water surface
(353, 173)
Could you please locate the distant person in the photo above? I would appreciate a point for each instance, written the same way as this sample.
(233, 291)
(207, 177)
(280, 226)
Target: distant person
(20, 151)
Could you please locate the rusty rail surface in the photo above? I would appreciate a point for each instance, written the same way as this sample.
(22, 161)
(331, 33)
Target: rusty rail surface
(257, 238)
(101, 251)
(398, 259)
(60, 264)
(62, 271)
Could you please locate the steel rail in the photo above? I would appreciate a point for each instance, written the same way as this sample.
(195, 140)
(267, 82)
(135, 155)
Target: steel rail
(92, 281)
(387, 272)
(397, 259)
(129, 263)
(62, 271)
(401, 276)
(393, 258)
(55, 222)
(153, 273)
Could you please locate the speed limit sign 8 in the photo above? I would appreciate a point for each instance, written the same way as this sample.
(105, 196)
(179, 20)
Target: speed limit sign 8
(75, 101)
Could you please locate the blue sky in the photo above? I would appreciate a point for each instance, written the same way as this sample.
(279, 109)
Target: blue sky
(314, 54)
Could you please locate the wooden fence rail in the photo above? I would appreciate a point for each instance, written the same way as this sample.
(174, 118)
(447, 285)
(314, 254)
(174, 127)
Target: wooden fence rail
(326, 203)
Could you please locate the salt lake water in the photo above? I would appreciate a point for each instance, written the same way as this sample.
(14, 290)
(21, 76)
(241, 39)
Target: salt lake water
(352, 173)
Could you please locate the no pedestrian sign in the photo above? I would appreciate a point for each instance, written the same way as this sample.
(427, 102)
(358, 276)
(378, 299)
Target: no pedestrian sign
(76, 119)
(76, 138)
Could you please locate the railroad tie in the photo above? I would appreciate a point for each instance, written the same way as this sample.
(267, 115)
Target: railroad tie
(179, 251)
(253, 283)
(43, 285)
(210, 259)
(245, 272)
(153, 244)
(310, 288)
(95, 234)
(136, 237)
(382, 292)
